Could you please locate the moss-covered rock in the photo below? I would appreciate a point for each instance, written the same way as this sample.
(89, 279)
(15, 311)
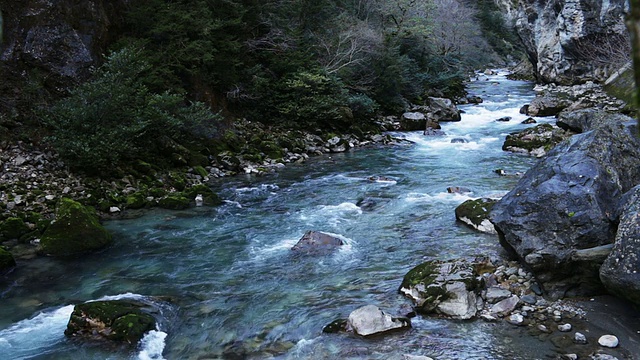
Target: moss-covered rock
(201, 171)
(177, 180)
(445, 287)
(76, 230)
(176, 201)
(475, 214)
(136, 200)
(210, 198)
(13, 228)
(116, 320)
(6, 260)
(537, 140)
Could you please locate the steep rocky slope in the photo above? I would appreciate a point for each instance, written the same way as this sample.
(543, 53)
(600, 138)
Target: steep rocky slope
(570, 41)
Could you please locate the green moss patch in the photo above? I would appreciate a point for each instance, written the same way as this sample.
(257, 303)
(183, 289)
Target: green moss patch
(475, 210)
(6, 260)
(176, 201)
(76, 230)
(117, 320)
(13, 228)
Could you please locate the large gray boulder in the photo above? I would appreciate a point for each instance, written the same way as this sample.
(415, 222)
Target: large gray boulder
(370, 320)
(442, 109)
(564, 209)
(620, 272)
(317, 242)
(583, 120)
(535, 141)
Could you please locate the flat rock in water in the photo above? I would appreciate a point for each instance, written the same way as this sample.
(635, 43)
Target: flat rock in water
(370, 320)
(316, 241)
(609, 341)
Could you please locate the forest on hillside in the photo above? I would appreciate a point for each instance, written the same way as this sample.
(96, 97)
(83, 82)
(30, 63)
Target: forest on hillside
(178, 70)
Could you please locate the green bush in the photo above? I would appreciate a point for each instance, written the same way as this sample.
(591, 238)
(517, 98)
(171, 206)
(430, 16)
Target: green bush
(114, 119)
(306, 98)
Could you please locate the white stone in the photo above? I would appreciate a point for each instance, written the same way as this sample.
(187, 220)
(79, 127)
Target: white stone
(66, 190)
(579, 338)
(114, 209)
(564, 327)
(369, 320)
(495, 294)
(609, 341)
(416, 357)
(505, 306)
(199, 200)
(461, 304)
(515, 319)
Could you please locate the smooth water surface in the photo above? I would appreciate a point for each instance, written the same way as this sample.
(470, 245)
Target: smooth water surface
(232, 283)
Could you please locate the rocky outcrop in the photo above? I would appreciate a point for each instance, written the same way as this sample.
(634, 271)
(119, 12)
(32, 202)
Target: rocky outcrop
(74, 231)
(475, 214)
(552, 99)
(583, 120)
(317, 242)
(564, 209)
(620, 272)
(62, 39)
(370, 320)
(114, 320)
(535, 141)
(567, 40)
(448, 288)
(428, 116)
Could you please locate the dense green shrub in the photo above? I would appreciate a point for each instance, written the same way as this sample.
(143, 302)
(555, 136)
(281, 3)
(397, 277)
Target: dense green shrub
(114, 118)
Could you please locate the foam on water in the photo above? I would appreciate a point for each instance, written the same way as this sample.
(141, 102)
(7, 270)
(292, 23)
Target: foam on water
(443, 197)
(152, 345)
(33, 336)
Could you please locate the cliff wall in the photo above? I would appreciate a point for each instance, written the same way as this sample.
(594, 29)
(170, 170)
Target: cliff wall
(571, 41)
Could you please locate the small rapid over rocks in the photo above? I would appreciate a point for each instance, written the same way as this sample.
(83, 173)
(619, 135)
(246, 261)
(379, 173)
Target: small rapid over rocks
(237, 290)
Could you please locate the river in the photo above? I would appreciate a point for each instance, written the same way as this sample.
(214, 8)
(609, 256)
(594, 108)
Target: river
(234, 284)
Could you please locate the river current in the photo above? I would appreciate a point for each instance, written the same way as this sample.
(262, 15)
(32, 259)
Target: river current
(231, 282)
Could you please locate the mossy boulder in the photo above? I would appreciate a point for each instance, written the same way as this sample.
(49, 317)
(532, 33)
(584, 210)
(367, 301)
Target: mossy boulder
(136, 200)
(6, 260)
(115, 320)
(448, 288)
(201, 171)
(537, 140)
(210, 198)
(475, 214)
(76, 230)
(13, 228)
(175, 201)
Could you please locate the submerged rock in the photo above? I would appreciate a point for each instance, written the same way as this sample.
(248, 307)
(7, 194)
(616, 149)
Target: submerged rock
(115, 320)
(76, 230)
(370, 320)
(316, 241)
(475, 214)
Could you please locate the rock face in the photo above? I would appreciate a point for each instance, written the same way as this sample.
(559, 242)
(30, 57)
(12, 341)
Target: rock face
(475, 214)
(448, 288)
(565, 208)
(317, 242)
(443, 109)
(116, 320)
(76, 230)
(583, 120)
(63, 39)
(562, 37)
(620, 272)
(370, 320)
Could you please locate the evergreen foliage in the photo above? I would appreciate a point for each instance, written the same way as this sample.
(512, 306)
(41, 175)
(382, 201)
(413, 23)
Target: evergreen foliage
(115, 118)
